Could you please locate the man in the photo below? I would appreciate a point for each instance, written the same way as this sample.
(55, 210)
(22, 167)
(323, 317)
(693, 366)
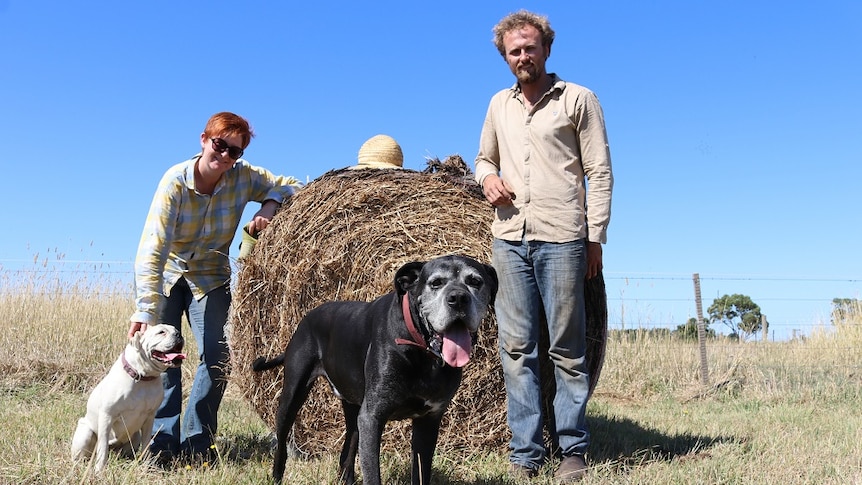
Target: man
(540, 139)
(182, 268)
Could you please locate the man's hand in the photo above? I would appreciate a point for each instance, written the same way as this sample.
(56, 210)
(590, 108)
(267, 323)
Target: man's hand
(497, 191)
(594, 259)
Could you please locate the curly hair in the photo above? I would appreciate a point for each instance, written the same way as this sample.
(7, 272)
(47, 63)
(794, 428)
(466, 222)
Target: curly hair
(519, 19)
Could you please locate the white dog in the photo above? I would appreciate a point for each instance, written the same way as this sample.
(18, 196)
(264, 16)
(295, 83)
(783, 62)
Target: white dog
(122, 406)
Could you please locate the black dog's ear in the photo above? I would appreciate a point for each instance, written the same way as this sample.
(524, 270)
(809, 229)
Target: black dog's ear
(407, 275)
(493, 282)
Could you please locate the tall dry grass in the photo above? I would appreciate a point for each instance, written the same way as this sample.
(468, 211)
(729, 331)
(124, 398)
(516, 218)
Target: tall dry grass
(62, 328)
(772, 412)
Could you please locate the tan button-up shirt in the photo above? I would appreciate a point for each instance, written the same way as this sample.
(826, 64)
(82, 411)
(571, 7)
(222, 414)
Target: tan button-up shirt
(544, 154)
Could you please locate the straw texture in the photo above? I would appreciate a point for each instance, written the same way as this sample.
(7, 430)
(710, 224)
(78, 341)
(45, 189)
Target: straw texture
(343, 237)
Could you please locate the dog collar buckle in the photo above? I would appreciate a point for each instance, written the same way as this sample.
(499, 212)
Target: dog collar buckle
(131, 370)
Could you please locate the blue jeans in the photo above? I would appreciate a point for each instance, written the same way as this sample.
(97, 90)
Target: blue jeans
(207, 318)
(542, 279)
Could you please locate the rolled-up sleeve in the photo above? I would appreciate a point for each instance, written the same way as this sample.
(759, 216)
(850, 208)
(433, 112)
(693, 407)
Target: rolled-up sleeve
(267, 186)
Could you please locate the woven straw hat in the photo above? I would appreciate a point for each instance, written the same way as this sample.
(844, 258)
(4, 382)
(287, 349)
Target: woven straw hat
(380, 151)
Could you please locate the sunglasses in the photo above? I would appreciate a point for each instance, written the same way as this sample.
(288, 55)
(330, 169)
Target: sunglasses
(220, 146)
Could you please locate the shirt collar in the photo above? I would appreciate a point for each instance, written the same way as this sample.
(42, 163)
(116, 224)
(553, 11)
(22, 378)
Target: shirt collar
(556, 83)
(189, 174)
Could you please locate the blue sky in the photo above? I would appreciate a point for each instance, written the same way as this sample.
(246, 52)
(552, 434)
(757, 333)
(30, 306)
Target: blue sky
(734, 126)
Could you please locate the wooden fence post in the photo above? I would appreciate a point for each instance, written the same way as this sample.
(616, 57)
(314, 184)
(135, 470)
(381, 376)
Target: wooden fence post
(765, 326)
(701, 331)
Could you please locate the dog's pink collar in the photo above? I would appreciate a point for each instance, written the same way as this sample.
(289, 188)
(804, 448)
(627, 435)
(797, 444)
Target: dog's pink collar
(131, 370)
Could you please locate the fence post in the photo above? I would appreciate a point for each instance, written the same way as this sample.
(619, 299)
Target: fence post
(765, 325)
(701, 331)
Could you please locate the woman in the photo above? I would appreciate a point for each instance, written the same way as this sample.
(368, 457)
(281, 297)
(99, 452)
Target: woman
(182, 267)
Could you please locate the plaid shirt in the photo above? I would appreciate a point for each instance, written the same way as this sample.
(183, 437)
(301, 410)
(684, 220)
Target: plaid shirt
(188, 234)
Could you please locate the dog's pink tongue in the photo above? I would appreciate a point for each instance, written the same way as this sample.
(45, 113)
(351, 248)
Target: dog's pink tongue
(456, 347)
(175, 356)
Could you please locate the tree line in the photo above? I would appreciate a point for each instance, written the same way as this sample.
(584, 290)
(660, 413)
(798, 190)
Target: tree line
(743, 317)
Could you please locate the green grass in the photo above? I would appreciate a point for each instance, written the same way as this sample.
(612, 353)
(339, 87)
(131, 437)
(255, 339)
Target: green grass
(775, 412)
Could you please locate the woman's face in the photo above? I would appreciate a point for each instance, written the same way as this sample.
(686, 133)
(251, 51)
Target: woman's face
(219, 152)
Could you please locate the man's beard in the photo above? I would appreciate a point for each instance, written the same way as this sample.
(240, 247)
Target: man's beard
(528, 75)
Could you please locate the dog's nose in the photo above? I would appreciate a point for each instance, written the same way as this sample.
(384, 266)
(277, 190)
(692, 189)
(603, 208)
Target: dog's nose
(457, 299)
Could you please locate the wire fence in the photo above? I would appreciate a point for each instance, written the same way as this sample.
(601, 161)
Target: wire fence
(793, 306)
(645, 315)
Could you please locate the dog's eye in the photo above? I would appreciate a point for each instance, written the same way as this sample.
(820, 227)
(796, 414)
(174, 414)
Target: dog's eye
(436, 283)
(474, 281)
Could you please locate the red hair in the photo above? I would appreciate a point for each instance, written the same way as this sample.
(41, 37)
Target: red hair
(229, 124)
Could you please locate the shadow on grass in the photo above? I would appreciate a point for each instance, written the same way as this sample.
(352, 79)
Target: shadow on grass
(617, 444)
(238, 449)
(246, 447)
(621, 442)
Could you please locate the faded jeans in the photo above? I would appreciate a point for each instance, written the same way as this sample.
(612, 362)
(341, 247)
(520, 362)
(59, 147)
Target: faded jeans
(540, 278)
(207, 318)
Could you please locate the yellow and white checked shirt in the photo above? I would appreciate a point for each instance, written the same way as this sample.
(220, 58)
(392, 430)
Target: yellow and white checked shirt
(188, 234)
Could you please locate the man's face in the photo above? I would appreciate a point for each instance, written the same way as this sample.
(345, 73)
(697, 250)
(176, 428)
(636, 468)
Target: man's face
(525, 53)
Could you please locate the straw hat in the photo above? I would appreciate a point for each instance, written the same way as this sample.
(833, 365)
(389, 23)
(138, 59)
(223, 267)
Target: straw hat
(380, 151)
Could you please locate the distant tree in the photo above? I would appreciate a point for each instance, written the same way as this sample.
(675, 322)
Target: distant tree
(844, 309)
(738, 313)
(688, 330)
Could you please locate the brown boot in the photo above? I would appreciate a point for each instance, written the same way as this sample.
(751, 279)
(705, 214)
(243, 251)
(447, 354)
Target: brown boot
(521, 472)
(571, 469)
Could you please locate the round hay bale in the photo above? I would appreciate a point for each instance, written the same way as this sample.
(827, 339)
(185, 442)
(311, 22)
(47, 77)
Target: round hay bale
(343, 237)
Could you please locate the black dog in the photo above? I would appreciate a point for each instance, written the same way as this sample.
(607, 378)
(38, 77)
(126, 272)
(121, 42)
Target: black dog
(397, 357)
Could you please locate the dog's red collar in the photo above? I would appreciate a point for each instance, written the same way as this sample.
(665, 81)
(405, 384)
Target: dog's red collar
(411, 327)
(131, 370)
(417, 339)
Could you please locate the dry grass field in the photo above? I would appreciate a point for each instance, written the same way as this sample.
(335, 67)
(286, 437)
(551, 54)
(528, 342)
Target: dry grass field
(775, 412)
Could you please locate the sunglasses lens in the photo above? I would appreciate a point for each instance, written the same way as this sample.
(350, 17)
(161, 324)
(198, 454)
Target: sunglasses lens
(220, 146)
